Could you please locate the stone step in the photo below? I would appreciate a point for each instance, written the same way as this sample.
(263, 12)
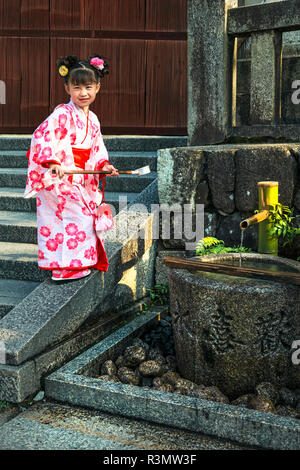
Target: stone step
(55, 426)
(12, 292)
(16, 178)
(113, 143)
(19, 261)
(18, 227)
(121, 160)
(11, 199)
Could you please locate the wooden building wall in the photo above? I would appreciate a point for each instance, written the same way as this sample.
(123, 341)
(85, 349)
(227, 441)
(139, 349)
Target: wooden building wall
(145, 42)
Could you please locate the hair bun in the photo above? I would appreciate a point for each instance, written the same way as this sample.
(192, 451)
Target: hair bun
(69, 61)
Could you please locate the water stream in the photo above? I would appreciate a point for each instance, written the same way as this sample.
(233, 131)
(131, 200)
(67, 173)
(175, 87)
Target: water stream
(241, 244)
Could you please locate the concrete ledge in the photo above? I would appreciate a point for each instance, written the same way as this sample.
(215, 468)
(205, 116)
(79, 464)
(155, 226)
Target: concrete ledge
(71, 384)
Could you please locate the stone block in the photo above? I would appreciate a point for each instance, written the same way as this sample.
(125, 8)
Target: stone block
(264, 163)
(179, 172)
(17, 383)
(221, 178)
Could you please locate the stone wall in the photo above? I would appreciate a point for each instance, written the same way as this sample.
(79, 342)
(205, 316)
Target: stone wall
(224, 178)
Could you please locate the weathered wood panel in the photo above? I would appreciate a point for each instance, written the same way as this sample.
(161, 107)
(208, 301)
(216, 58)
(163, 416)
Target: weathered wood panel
(143, 40)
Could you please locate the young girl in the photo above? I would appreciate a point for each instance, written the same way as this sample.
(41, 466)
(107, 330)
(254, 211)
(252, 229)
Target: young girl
(69, 139)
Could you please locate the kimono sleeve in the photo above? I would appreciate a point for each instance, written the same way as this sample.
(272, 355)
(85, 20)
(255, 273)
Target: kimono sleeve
(52, 139)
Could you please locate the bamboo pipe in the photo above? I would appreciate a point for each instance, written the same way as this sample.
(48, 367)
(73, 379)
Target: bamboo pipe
(255, 219)
(267, 198)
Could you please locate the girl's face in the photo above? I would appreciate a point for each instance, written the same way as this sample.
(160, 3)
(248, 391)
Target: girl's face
(83, 95)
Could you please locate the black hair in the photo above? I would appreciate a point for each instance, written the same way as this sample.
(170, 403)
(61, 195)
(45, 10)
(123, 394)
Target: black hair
(80, 72)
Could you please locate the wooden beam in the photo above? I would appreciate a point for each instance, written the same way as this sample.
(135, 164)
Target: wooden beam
(282, 16)
(279, 276)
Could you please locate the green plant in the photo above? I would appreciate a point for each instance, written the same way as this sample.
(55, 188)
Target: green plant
(3, 404)
(282, 219)
(159, 295)
(211, 245)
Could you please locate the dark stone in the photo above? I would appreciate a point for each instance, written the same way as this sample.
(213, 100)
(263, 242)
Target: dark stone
(150, 369)
(269, 391)
(119, 361)
(172, 363)
(109, 368)
(153, 352)
(140, 342)
(261, 403)
(297, 200)
(128, 376)
(147, 382)
(230, 232)
(288, 411)
(287, 397)
(134, 355)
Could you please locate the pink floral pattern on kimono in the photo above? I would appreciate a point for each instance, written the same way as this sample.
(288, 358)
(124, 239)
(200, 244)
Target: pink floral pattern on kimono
(67, 207)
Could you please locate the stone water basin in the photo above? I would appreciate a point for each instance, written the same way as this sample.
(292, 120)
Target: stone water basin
(236, 332)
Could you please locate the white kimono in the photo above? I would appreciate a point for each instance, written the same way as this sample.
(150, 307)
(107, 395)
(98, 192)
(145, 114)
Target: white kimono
(66, 208)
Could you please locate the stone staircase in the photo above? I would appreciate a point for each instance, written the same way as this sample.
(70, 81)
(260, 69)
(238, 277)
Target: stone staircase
(19, 274)
(43, 324)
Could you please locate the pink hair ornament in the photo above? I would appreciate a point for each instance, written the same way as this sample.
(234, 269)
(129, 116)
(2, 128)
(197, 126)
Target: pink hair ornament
(97, 63)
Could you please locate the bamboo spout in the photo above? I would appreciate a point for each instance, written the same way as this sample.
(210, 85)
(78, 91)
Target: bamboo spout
(255, 219)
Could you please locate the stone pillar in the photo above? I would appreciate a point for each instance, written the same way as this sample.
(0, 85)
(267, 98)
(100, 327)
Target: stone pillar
(265, 77)
(209, 82)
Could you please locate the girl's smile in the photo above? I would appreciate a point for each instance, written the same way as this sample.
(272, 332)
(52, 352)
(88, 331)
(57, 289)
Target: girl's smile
(83, 95)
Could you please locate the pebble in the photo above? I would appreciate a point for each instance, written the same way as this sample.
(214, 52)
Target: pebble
(171, 377)
(165, 388)
(119, 361)
(157, 382)
(39, 396)
(134, 355)
(214, 394)
(150, 369)
(269, 391)
(243, 400)
(128, 376)
(108, 368)
(109, 378)
(261, 403)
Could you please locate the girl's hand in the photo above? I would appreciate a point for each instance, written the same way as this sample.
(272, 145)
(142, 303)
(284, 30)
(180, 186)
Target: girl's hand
(57, 169)
(114, 171)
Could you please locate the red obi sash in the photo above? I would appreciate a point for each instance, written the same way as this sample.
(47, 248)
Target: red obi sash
(81, 156)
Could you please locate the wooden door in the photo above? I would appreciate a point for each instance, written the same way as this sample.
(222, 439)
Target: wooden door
(145, 42)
